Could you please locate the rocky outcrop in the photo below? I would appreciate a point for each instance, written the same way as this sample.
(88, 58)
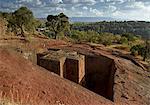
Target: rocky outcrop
(96, 73)
(119, 79)
(25, 83)
(67, 64)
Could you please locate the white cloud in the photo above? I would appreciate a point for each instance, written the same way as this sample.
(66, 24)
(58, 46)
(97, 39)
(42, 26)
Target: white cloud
(139, 12)
(79, 1)
(126, 9)
(73, 8)
(60, 9)
(25, 1)
(95, 12)
(85, 8)
(112, 8)
(38, 2)
(56, 1)
(136, 5)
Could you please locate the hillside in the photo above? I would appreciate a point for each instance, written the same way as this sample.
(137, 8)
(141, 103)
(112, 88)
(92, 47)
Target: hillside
(141, 28)
(22, 81)
(130, 79)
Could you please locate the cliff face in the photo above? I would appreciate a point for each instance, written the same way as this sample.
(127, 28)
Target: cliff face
(21, 81)
(117, 78)
(94, 72)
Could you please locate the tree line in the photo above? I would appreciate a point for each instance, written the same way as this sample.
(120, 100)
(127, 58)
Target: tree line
(141, 28)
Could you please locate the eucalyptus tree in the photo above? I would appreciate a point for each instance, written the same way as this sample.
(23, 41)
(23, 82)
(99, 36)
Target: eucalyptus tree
(57, 24)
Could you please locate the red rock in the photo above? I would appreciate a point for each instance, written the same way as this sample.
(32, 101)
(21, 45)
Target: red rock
(22, 81)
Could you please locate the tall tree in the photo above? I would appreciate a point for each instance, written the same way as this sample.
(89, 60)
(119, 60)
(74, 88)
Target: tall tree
(21, 19)
(57, 23)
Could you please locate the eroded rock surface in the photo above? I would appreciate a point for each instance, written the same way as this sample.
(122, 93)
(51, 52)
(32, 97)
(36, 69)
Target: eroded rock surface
(119, 79)
(126, 81)
(21, 81)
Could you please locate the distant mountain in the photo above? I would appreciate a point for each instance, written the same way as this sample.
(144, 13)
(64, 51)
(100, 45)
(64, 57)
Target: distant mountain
(91, 19)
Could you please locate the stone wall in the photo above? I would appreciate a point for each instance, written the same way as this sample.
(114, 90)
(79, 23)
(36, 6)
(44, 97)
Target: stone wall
(75, 68)
(69, 65)
(99, 75)
(71, 70)
(53, 65)
(95, 72)
(81, 70)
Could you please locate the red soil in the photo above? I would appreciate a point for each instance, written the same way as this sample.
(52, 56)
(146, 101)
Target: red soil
(22, 81)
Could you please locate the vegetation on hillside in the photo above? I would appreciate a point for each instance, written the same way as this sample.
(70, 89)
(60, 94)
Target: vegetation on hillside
(22, 22)
(143, 50)
(141, 28)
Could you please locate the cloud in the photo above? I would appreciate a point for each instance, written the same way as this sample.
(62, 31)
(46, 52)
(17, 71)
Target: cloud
(136, 11)
(54, 1)
(125, 9)
(79, 2)
(58, 9)
(95, 12)
(85, 8)
(136, 5)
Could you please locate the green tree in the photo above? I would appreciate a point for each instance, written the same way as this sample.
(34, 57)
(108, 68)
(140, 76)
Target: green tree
(58, 23)
(136, 50)
(146, 50)
(22, 19)
(143, 50)
(5, 15)
(123, 40)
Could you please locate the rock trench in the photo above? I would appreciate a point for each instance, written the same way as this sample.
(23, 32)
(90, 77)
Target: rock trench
(94, 72)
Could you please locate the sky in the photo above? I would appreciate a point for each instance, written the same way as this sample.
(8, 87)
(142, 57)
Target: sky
(119, 9)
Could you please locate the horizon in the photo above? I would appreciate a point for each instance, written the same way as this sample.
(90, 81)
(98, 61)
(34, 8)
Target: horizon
(98, 19)
(136, 10)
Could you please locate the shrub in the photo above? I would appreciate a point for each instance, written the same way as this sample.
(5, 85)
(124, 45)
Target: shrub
(123, 40)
